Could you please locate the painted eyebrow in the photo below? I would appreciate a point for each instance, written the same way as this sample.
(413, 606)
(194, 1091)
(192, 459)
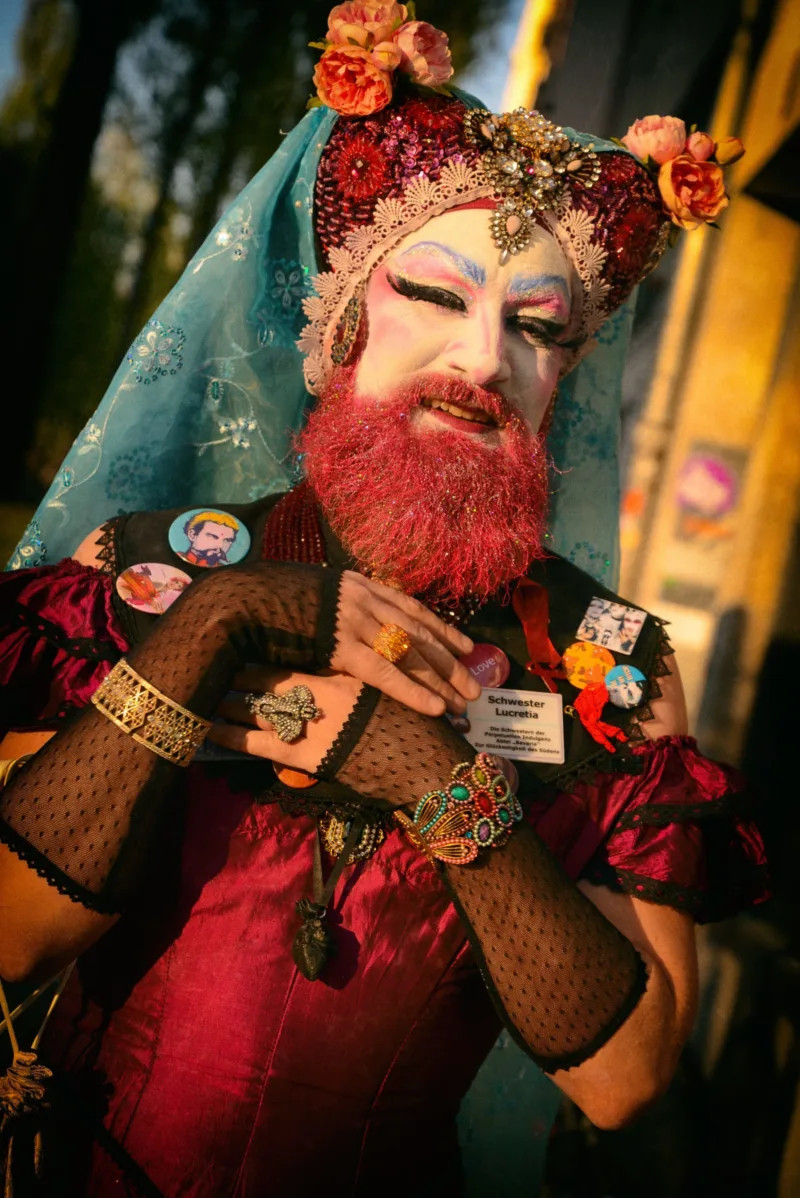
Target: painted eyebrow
(521, 285)
(465, 266)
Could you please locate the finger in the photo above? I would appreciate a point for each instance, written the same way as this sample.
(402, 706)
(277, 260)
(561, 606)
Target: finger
(376, 671)
(415, 666)
(259, 679)
(420, 673)
(257, 742)
(457, 641)
(237, 710)
(459, 684)
(254, 741)
(448, 668)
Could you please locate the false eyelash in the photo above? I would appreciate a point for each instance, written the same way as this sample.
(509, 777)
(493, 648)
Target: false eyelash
(550, 334)
(421, 291)
(447, 299)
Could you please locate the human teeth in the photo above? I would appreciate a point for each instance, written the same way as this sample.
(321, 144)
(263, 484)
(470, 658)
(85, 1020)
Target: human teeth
(462, 413)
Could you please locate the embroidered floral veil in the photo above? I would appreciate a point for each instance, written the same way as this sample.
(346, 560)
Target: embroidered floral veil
(205, 404)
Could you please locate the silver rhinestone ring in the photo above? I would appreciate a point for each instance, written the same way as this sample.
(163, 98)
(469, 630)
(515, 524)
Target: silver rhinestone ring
(288, 713)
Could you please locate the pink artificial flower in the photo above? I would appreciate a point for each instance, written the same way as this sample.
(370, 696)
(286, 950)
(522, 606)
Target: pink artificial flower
(426, 54)
(348, 81)
(693, 192)
(386, 56)
(729, 150)
(658, 137)
(367, 23)
(700, 146)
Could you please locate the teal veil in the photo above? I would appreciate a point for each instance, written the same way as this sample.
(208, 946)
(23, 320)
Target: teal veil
(203, 410)
(205, 404)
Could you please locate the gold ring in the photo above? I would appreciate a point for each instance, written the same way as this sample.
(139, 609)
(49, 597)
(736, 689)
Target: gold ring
(392, 642)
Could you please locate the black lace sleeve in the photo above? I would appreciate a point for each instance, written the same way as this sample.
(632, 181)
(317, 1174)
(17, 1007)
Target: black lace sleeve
(87, 809)
(563, 978)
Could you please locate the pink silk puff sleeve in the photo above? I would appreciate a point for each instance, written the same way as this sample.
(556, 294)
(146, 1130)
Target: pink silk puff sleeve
(59, 637)
(680, 833)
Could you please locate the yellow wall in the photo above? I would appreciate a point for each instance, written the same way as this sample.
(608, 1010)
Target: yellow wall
(727, 377)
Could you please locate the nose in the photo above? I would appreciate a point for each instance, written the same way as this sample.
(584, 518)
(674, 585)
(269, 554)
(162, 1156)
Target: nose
(479, 352)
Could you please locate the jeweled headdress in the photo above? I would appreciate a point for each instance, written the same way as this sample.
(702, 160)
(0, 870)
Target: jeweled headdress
(384, 175)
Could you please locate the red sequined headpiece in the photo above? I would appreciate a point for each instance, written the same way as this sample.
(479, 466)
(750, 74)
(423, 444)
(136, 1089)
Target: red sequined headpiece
(382, 176)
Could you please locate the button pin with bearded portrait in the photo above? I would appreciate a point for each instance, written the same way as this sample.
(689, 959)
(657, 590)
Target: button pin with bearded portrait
(209, 537)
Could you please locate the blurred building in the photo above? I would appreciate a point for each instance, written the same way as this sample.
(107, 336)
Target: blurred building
(710, 535)
(711, 406)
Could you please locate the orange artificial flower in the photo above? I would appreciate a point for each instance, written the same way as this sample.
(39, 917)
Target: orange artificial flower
(693, 192)
(349, 82)
(729, 150)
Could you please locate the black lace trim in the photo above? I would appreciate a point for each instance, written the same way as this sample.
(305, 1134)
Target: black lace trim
(566, 1060)
(599, 762)
(703, 905)
(657, 815)
(298, 803)
(636, 736)
(52, 874)
(87, 647)
(107, 543)
(327, 622)
(350, 734)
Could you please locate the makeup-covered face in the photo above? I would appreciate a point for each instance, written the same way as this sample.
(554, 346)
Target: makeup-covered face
(444, 313)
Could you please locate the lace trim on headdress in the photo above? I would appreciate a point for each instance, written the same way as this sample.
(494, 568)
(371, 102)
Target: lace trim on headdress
(366, 246)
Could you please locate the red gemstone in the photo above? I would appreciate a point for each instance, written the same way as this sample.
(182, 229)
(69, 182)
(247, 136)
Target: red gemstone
(484, 802)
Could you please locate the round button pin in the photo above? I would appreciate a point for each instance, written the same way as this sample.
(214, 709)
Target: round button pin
(487, 664)
(151, 586)
(625, 685)
(586, 664)
(209, 537)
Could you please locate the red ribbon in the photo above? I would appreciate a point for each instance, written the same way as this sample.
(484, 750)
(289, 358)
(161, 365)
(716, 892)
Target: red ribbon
(588, 705)
(531, 605)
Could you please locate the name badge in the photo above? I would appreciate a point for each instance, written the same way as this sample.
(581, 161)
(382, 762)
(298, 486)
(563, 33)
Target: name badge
(519, 725)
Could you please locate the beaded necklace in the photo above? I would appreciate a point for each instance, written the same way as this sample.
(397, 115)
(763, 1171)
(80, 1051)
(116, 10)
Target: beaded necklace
(293, 533)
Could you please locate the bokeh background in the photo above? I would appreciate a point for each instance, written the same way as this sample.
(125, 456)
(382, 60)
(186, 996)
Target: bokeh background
(126, 126)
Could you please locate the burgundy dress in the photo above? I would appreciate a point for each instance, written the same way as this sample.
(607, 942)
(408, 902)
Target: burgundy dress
(220, 1069)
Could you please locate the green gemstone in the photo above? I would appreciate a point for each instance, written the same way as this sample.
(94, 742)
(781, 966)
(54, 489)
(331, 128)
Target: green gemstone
(459, 792)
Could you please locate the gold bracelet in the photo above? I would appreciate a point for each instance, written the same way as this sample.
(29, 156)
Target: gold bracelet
(151, 718)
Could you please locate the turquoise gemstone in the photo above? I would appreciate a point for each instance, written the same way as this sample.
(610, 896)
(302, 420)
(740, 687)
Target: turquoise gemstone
(459, 792)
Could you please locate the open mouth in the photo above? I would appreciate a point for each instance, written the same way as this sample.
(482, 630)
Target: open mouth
(475, 416)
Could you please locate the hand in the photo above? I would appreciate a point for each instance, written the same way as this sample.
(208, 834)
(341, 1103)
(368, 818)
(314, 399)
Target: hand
(429, 679)
(334, 695)
(276, 613)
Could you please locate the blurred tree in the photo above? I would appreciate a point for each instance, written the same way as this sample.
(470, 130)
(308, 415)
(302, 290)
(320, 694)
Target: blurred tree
(202, 90)
(54, 189)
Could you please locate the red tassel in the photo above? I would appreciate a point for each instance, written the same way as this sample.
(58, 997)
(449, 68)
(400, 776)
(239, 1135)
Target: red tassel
(531, 605)
(588, 705)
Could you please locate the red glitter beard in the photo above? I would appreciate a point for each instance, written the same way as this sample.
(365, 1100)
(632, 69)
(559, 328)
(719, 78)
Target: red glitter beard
(439, 511)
